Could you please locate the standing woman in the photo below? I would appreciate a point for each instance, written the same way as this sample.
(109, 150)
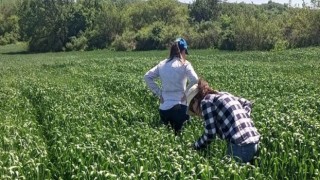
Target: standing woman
(173, 73)
(227, 116)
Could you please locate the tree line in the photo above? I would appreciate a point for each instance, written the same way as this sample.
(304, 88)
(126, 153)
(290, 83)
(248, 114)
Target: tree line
(67, 25)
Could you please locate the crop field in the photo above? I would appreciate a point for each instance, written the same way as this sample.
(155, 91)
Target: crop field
(89, 115)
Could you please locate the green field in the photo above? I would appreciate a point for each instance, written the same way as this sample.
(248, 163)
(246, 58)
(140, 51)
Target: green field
(87, 115)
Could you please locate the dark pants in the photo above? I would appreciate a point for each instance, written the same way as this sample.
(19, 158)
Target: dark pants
(176, 116)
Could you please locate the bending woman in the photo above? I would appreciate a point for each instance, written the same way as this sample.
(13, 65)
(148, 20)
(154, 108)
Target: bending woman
(227, 116)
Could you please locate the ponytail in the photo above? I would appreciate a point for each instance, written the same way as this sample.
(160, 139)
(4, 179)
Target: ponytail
(174, 51)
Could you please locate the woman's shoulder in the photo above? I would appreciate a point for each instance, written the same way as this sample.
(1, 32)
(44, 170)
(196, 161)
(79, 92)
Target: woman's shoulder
(163, 62)
(209, 100)
(224, 93)
(186, 64)
(209, 97)
(215, 96)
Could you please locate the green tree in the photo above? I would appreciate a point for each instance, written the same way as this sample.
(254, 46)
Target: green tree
(9, 27)
(39, 22)
(205, 34)
(302, 28)
(170, 12)
(227, 34)
(109, 22)
(49, 25)
(156, 22)
(204, 10)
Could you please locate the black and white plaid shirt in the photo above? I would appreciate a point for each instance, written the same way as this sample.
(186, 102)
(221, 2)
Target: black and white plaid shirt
(227, 116)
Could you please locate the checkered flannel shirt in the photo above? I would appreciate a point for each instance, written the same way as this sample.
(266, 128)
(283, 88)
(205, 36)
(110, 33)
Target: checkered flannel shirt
(227, 116)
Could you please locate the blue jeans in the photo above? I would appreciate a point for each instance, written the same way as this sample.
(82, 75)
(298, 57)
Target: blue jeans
(243, 153)
(175, 116)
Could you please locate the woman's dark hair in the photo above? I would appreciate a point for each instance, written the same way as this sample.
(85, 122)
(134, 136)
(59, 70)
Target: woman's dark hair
(204, 89)
(174, 51)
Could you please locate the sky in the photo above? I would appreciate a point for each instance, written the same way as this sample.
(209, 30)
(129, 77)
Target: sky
(295, 3)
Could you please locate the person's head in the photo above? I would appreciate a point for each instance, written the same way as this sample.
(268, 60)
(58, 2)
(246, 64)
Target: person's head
(179, 48)
(195, 94)
(183, 46)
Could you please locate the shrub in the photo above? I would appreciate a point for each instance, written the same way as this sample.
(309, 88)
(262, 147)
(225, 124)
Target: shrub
(151, 37)
(281, 45)
(96, 40)
(207, 35)
(124, 42)
(8, 38)
(77, 43)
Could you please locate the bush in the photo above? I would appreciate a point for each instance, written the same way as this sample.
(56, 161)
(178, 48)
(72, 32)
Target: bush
(77, 43)
(303, 27)
(9, 38)
(125, 42)
(46, 44)
(151, 37)
(96, 40)
(227, 34)
(207, 35)
(9, 29)
(281, 45)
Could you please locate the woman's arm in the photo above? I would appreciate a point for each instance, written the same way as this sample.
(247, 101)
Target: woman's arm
(191, 75)
(149, 78)
(246, 104)
(209, 127)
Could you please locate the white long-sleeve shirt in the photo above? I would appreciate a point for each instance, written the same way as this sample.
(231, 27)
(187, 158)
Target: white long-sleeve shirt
(173, 75)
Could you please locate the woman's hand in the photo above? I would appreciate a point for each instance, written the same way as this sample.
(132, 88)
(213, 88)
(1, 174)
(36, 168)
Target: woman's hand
(161, 100)
(184, 98)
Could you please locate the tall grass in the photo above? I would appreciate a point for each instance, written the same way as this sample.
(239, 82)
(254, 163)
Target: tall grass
(89, 115)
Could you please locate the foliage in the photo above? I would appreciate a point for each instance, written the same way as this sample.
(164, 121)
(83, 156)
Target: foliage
(64, 24)
(9, 28)
(227, 33)
(89, 115)
(108, 23)
(205, 34)
(125, 42)
(204, 10)
(45, 24)
(170, 12)
(154, 37)
(280, 45)
(303, 27)
(77, 43)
